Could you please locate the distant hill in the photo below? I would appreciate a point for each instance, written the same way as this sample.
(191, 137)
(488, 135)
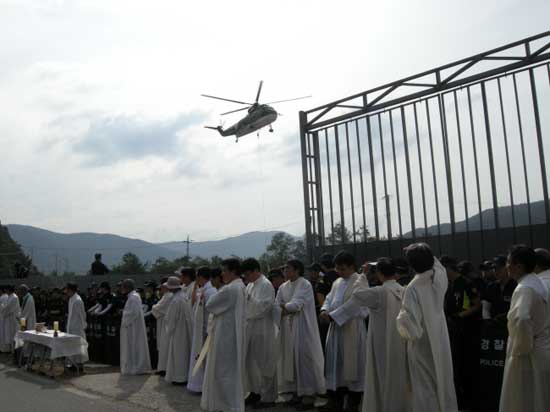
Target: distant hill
(521, 216)
(74, 252)
(10, 253)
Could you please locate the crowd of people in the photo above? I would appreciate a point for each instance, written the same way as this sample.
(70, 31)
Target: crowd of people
(417, 333)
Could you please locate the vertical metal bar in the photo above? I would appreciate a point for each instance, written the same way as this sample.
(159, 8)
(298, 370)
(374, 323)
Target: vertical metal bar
(372, 178)
(430, 136)
(386, 196)
(408, 165)
(425, 215)
(353, 231)
(340, 191)
(396, 178)
(448, 171)
(365, 235)
(303, 125)
(330, 190)
(476, 166)
(505, 135)
(541, 147)
(464, 192)
(319, 187)
(520, 129)
(311, 184)
(490, 152)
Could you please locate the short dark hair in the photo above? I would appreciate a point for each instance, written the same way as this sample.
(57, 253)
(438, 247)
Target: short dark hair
(296, 265)
(97, 256)
(72, 286)
(314, 267)
(401, 265)
(163, 280)
(250, 264)
(215, 273)
(204, 272)
(105, 285)
(188, 272)
(420, 257)
(499, 261)
(385, 266)
(465, 267)
(327, 260)
(10, 288)
(449, 262)
(275, 273)
(232, 265)
(523, 255)
(344, 258)
(543, 258)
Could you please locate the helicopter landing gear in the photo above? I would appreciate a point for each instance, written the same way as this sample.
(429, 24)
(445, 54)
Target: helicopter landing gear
(270, 129)
(237, 140)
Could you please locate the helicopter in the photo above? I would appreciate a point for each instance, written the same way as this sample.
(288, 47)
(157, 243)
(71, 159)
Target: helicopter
(259, 116)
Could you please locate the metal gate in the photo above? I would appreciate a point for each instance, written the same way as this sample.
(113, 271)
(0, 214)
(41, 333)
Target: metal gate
(454, 156)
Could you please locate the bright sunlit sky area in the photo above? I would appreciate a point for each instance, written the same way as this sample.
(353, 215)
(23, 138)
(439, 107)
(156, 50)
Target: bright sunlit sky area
(101, 128)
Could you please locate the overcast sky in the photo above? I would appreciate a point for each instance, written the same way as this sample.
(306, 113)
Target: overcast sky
(101, 128)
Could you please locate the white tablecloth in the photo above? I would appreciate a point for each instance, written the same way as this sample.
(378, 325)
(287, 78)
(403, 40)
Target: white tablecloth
(64, 345)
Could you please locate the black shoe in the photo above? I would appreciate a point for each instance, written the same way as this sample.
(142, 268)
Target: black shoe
(252, 399)
(263, 405)
(179, 383)
(304, 406)
(160, 373)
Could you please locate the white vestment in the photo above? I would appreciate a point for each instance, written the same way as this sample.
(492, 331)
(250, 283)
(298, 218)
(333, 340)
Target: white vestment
(200, 325)
(526, 382)
(422, 323)
(301, 360)
(260, 335)
(134, 349)
(159, 312)
(10, 322)
(223, 386)
(76, 324)
(178, 325)
(346, 341)
(3, 301)
(385, 377)
(188, 290)
(28, 311)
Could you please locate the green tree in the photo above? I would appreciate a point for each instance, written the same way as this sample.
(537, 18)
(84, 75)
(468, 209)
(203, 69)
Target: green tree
(339, 235)
(130, 265)
(163, 266)
(282, 248)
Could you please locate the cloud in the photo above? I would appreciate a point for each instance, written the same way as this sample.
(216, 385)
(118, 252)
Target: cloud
(107, 140)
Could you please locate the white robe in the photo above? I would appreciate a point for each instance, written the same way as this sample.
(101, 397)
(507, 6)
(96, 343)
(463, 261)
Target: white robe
(422, 323)
(200, 326)
(178, 325)
(385, 378)
(3, 341)
(76, 324)
(301, 360)
(134, 350)
(159, 312)
(223, 386)
(10, 322)
(526, 382)
(28, 311)
(260, 335)
(346, 341)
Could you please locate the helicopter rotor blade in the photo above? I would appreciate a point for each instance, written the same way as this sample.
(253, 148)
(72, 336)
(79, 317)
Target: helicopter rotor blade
(289, 100)
(235, 111)
(259, 90)
(227, 100)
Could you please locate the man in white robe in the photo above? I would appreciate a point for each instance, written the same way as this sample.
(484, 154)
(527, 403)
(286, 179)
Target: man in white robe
(200, 299)
(223, 387)
(526, 382)
(187, 278)
(422, 323)
(260, 336)
(542, 268)
(346, 340)
(76, 320)
(159, 312)
(134, 349)
(10, 312)
(178, 325)
(28, 311)
(3, 301)
(386, 365)
(301, 360)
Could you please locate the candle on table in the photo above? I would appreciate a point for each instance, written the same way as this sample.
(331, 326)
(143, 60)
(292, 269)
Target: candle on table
(23, 322)
(56, 326)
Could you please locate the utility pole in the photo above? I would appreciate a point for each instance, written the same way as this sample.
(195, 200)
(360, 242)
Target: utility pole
(188, 242)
